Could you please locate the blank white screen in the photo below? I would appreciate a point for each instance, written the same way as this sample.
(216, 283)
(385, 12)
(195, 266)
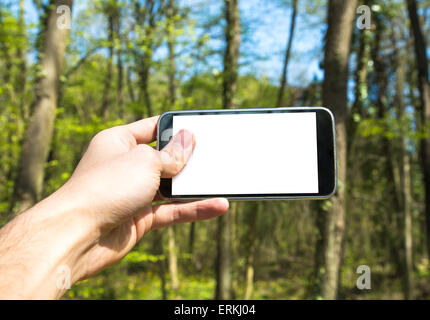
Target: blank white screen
(249, 154)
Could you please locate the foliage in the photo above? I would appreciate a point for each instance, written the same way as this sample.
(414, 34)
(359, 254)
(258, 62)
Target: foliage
(286, 233)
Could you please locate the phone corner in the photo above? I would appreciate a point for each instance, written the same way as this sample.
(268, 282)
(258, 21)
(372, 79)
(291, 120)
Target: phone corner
(161, 117)
(328, 110)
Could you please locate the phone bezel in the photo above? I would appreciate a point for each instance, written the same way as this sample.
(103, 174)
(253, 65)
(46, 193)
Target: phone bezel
(326, 142)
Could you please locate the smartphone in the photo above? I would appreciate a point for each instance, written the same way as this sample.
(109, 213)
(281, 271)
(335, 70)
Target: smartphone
(273, 153)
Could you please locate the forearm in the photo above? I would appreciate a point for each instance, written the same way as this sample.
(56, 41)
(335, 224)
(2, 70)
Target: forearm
(40, 247)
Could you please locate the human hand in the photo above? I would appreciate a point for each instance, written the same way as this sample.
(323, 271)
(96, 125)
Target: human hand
(99, 214)
(117, 180)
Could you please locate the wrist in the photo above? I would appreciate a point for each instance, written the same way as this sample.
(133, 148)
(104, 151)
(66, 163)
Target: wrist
(76, 233)
(49, 241)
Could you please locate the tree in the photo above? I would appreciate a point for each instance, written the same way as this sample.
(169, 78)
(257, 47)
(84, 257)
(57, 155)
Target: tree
(171, 12)
(231, 57)
(171, 17)
(110, 9)
(21, 77)
(147, 18)
(360, 78)
(424, 104)
(404, 172)
(251, 243)
(336, 62)
(287, 54)
(39, 132)
(119, 63)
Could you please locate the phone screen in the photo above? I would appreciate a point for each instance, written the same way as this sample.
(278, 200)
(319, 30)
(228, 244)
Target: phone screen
(269, 153)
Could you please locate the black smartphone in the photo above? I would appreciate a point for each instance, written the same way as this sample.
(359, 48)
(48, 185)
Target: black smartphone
(273, 153)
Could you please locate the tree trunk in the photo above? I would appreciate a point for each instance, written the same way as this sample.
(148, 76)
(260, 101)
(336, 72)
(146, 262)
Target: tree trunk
(408, 226)
(314, 289)
(424, 89)
(287, 55)
(250, 252)
(361, 86)
(231, 57)
(147, 18)
(173, 259)
(191, 237)
(130, 89)
(405, 173)
(106, 99)
(39, 132)
(157, 248)
(22, 66)
(144, 85)
(223, 261)
(392, 192)
(171, 46)
(336, 60)
(120, 66)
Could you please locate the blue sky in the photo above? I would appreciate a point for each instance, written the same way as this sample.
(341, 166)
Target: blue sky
(269, 23)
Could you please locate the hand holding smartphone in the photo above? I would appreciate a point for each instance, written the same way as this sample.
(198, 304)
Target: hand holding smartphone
(276, 153)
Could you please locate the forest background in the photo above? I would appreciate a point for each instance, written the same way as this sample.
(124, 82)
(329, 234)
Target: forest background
(124, 60)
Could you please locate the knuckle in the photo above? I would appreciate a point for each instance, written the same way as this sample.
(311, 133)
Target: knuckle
(102, 135)
(171, 163)
(150, 155)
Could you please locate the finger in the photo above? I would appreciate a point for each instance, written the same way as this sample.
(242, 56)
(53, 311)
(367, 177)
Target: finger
(144, 131)
(175, 155)
(164, 215)
(174, 213)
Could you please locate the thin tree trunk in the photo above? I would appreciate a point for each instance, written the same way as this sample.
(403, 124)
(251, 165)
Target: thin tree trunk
(223, 261)
(336, 60)
(392, 192)
(22, 66)
(231, 57)
(287, 55)
(159, 251)
(106, 99)
(173, 259)
(171, 46)
(251, 248)
(408, 225)
(144, 85)
(361, 87)
(120, 67)
(405, 174)
(314, 289)
(191, 237)
(39, 132)
(424, 89)
(130, 88)
(146, 17)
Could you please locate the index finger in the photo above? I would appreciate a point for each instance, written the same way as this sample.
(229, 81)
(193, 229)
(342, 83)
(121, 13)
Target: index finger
(144, 131)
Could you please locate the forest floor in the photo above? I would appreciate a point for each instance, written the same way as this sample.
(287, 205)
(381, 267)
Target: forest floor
(117, 283)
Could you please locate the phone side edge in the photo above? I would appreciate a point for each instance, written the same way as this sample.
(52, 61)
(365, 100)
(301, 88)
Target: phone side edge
(333, 120)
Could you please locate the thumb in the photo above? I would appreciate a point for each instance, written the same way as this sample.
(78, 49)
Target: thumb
(175, 155)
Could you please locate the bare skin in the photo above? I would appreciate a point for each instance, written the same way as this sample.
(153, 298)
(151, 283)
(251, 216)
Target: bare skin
(100, 214)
